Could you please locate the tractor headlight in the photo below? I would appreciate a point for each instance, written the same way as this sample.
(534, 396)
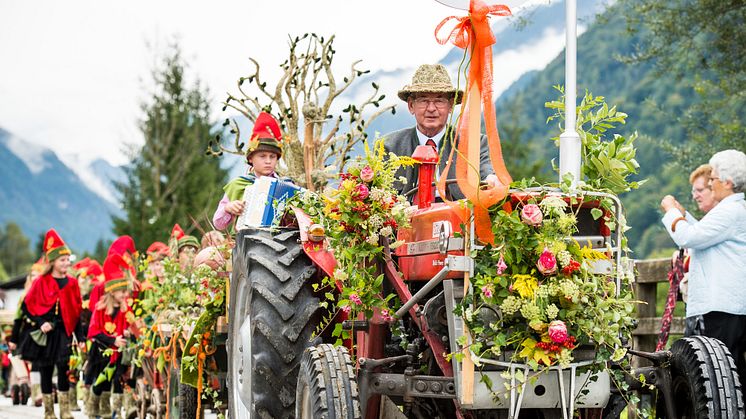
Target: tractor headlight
(316, 233)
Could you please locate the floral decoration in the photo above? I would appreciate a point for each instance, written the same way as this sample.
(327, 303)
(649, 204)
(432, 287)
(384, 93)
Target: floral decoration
(543, 284)
(357, 214)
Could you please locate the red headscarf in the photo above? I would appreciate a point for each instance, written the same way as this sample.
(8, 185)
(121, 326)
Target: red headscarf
(45, 293)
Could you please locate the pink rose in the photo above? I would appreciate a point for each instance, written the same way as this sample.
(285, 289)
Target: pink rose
(558, 332)
(346, 309)
(356, 299)
(487, 291)
(531, 215)
(362, 191)
(501, 266)
(366, 175)
(547, 263)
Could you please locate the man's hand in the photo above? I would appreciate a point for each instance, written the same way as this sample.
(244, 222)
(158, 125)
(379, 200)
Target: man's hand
(234, 207)
(46, 327)
(491, 180)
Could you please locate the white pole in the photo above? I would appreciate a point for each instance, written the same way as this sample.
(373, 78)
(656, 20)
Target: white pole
(570, 150)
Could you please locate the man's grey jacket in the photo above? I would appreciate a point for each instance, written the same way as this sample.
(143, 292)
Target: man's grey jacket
(403, 143)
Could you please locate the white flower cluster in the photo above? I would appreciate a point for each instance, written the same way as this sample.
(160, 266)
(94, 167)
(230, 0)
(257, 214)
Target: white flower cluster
(372, 239)
(377, 194)
(553, 205)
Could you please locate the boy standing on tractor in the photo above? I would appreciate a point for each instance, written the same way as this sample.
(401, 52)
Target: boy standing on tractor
(265, 150)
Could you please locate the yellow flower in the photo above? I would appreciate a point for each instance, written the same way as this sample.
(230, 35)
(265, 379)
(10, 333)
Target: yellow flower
(530, 351)
(591, 254)
(526, 285)
(110, 327)
(348, 185)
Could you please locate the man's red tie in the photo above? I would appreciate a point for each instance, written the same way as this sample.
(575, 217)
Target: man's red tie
(432, 144)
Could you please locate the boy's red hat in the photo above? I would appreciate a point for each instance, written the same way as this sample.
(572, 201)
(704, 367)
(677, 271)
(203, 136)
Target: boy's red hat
(124, 246)
(265, 136)
(158, 250)
(82, 266)
(114, 272)
(121, 245)
(94, 269)
(54, 247)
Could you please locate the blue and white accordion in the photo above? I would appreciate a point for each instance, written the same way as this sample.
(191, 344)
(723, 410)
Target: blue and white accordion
(264, 202)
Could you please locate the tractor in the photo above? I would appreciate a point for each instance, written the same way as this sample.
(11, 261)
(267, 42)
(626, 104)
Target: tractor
(280, 366)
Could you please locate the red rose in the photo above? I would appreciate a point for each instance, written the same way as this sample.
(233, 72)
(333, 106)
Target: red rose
(547, 263)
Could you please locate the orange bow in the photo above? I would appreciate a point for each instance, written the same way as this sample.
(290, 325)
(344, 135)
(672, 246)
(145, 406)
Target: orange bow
(473, 32)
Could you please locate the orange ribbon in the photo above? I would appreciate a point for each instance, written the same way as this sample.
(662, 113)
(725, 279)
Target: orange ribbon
(473, 32)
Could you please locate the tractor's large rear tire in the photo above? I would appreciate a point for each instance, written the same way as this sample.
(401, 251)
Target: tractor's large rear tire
(705, 380)
(273, 314)
(327, 386)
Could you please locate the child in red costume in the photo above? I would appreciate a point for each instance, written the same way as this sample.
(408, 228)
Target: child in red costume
(51, 314)
(109, 330)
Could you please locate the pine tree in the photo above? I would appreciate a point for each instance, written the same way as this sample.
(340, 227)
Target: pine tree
(170, 179)
(15, 252)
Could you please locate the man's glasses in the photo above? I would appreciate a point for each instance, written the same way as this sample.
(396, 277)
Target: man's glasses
(439, 102)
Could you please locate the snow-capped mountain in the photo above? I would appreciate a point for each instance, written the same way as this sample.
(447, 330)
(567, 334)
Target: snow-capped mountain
(38, 191)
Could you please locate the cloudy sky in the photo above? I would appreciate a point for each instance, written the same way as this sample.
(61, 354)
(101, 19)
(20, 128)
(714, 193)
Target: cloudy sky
(73, 73)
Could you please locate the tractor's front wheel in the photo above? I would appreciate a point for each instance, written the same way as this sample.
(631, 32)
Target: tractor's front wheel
(704, 380)
(273, 313)
(327, 386)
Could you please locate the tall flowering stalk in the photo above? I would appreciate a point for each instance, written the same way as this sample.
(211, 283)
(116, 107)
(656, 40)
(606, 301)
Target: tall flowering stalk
(361, 210)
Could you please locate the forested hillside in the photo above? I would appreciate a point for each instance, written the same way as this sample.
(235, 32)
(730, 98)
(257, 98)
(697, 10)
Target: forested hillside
(652, 100)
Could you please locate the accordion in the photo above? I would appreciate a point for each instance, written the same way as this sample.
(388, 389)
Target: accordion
(264, 202)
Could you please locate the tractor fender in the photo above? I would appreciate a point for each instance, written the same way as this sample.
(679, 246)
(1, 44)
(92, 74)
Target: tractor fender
(318, 252)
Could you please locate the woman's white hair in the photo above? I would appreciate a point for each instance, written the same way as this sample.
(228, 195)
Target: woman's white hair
(730, 165)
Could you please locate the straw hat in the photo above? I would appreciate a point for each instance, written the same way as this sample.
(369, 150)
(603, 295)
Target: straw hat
(431, 78)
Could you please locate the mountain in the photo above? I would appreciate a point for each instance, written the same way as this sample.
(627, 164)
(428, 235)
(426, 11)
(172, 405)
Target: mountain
(38, 191)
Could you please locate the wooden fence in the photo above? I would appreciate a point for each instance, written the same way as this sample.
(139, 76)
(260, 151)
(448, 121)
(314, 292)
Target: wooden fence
(649, 273)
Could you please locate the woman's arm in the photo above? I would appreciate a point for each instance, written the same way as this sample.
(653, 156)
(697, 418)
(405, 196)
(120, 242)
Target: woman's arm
(712, 229)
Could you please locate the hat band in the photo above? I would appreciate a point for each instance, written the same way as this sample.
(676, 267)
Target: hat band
(115, 284)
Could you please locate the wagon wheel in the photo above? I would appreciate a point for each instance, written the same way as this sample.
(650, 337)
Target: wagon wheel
(705, 382)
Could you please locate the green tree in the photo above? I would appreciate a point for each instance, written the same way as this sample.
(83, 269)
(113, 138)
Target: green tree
(701, 43)
(15, 252)
(3, 274)
(99, 252)
(170, 179)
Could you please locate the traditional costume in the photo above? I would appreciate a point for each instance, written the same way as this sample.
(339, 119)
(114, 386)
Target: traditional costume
(107, 323)
(265, 136)
(55, 301)
(123, 246)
